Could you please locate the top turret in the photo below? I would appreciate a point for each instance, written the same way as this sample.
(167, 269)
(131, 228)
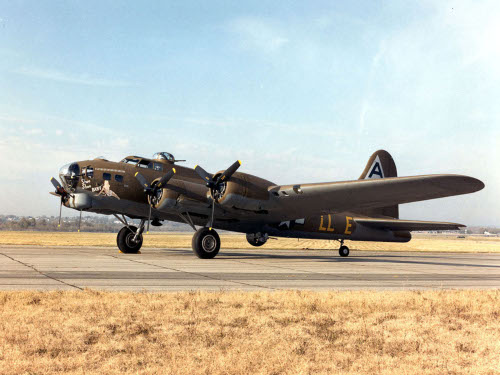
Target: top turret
(165, 156)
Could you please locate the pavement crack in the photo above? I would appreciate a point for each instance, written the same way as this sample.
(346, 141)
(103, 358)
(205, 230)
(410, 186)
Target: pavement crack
(41, 273)
(196, 274)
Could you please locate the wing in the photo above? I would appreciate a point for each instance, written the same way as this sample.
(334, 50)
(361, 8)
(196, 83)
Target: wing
(297, 201)
(406, 225)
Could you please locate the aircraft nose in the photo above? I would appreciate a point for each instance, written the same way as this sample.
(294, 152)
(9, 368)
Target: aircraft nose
(70, 174)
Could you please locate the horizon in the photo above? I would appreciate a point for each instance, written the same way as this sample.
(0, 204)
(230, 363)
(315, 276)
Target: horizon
(302, 93)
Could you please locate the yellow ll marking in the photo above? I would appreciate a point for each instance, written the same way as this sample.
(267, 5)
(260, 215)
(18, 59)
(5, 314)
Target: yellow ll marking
(321, 227)
(329, 229)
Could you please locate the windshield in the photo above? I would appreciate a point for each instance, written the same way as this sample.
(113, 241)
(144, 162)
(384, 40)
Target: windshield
(130, 161)
(142, 163)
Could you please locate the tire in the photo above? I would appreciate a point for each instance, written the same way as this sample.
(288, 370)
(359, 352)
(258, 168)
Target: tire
(206, 243)
(254, 241)
(343, 251)
(124, 240)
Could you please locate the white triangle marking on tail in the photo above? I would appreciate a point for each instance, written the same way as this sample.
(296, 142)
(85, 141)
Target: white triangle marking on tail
(375, 170)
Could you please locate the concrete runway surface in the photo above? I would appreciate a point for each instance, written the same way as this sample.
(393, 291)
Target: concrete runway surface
(39, 268)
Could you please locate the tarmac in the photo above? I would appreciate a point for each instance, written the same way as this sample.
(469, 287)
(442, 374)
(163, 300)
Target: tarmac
(75, 268)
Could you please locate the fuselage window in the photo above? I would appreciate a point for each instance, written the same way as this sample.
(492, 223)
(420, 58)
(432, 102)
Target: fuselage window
(118, 178)
(89, 172)
(106, 176)
(157, 167)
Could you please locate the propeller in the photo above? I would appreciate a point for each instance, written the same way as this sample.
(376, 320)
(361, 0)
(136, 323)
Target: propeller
(152, 190)
(216, 185)
(225, 176)
(60, 191)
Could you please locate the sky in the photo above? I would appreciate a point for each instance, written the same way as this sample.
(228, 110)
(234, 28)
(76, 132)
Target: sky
(299, 91)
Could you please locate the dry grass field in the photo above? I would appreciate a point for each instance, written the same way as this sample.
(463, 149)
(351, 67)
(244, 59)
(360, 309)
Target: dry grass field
(294, 332)
(238, 241)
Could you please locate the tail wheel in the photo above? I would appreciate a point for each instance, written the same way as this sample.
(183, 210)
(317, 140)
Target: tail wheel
(125, 240)
(206, 243)
(343, 251)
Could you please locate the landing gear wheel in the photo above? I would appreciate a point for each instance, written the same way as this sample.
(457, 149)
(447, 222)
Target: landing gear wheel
(206, 243)
(125, 240)
(254, 240)
(343, 251)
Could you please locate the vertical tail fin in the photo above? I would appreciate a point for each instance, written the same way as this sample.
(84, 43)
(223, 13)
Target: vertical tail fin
(380, 165)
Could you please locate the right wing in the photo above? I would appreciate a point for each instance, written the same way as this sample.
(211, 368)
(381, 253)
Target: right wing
(295, 201)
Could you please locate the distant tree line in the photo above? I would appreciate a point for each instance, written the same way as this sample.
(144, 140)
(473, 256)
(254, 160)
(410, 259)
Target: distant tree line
(70, 224)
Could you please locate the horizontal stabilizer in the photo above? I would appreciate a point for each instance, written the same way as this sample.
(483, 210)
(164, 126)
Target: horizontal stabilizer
(406, 225)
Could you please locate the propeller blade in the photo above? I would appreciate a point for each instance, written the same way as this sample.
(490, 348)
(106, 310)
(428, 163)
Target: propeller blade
(203, 174)
(164, 180)
(56, 183)
(149, 219)
(60, 213)
(80, 221)
(59, 189)
(229, 172)
(142, 181)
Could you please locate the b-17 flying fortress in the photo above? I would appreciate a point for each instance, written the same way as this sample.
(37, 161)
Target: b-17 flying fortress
(158, 189)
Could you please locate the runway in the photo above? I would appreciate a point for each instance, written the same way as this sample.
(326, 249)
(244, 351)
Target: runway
(73, 268)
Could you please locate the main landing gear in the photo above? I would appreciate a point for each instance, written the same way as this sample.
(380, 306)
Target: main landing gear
(344, 250)
(129, 238)
(206, 243)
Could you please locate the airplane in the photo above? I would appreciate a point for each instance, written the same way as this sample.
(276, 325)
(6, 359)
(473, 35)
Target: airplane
(158, 189)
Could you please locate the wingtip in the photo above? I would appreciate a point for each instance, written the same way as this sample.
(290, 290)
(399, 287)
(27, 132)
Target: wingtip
(474, 184)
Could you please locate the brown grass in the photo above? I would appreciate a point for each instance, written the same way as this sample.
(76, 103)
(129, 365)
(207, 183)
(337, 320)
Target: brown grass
(293, 332)
(238, 241)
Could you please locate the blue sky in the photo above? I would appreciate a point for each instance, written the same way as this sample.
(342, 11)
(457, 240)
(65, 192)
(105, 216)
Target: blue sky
(299, 91)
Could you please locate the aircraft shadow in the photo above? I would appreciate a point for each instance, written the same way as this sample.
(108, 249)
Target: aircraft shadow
(334, 258)
(394, 259)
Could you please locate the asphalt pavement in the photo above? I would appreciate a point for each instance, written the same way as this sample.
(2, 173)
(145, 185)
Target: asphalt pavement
(72, 268)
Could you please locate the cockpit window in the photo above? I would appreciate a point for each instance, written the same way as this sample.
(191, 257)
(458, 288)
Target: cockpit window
(144, 163)
(130, 161)
(138, 162)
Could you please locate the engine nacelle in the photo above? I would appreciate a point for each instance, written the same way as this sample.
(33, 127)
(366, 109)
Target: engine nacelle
(245, 191)
(177, 194)
(79, 201)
